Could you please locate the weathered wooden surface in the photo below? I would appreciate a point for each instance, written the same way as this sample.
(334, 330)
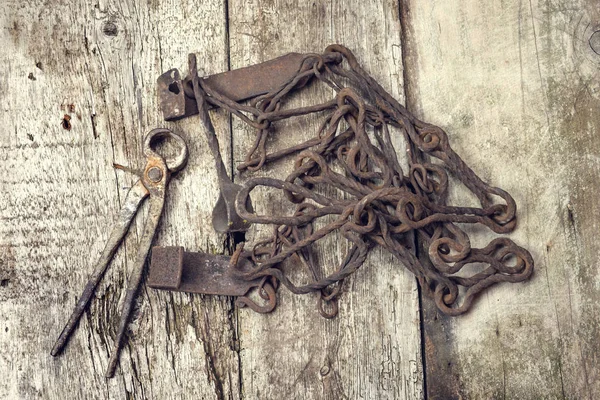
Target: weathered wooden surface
(516, 86)
(99, 64)
(372, 349)
(514, 83)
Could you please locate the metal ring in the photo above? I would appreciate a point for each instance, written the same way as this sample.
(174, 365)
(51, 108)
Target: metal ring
(174, 164)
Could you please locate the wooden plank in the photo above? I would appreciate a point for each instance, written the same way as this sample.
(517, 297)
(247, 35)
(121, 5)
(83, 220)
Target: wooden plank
(515, 85)
(372, 349)
(98, 64)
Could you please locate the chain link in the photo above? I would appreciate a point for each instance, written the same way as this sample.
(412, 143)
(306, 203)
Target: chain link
(377, 203)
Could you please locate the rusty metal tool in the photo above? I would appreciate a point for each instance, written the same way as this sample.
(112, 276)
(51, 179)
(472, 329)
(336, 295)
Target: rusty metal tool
(224, 217)
(152, 183)
(172, 268)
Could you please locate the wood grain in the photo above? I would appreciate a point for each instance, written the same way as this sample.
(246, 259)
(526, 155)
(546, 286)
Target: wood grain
(515, 84)
(372, 349)
(59, 195)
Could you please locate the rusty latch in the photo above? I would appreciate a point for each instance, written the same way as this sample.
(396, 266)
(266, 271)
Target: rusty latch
(176, 94)
(172, 268)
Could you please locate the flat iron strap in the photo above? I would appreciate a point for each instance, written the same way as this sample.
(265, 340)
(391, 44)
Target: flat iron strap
(255, 80)
(171, 268)
(237, 85)
(252, 81)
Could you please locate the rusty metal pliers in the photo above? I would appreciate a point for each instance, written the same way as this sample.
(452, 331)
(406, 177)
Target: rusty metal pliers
(152, 183)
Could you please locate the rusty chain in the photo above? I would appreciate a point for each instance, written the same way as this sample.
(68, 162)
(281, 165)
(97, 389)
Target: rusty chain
(378, 202)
